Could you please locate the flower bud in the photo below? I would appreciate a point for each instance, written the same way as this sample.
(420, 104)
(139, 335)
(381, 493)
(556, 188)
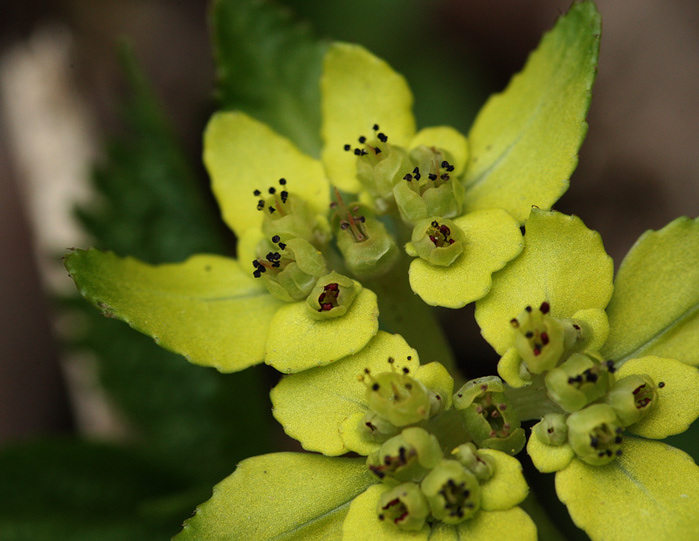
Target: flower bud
(368, 249)
(552, 429)
(479, 464)
(397, 397)
(579, 381)
(488, 415)
(404, 506)
(429, 189)
(542, 340)
(594, 433)
(332, 296)
(632, 398)
(406, 457)
(438, 241)
(290, 272)
(453, 493)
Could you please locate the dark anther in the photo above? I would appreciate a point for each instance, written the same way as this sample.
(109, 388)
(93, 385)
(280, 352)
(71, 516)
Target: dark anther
(391, 360)
(375, 387)
(445, 164)
(610, 366)
(661, 384)
(256, 193)
(344, 225)
(522, 230)
(432, 176)
(444, 176)
(529, 334)
(514, 322)
(285, 196)
(617, 440)
(271, 210)
(435, 223)
(408, 177)
(362, 139)
(406, 370)
(271, 190)
(282, 181)
(282, 246)
(594, 442)
(275, 239)
(260, 204)
(382, 137)
(576, 326)
(270, 257)
(357, 152)
(409, 357)
(257, 273)
(375, 127)
(545, 307)
(377, 150)
(347, 147)
(528, 308)
(545, 338)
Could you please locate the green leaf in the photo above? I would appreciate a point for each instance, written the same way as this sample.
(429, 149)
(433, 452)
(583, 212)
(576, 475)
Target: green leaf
(269, 67)
(492, 240)
(360, 90)
(507, 487)
(190, 308)
(311, 405)
(242, 155)
(563, 263)
(511, 525)
(363, 522)
(655, 306)
(650, 492)
(281, 496)
(71, 490)
(677, 406)
(524, 142)
(297, 341)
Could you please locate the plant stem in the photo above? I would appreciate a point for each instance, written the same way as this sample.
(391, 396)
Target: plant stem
(531, 401)
(405, 313)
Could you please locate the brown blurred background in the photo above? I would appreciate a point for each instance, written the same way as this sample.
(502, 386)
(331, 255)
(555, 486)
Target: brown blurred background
(639, 167)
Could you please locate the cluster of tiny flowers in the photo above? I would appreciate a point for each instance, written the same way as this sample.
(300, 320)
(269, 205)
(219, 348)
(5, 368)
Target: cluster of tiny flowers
(430, 477)
(595, 406)
(293, 258)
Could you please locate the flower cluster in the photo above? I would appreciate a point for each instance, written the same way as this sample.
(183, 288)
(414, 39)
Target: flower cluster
(338, 257)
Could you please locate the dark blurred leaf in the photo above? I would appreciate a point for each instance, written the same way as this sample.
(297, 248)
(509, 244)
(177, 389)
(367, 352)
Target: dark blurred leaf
(78, 491)
(151, 206)
(269, 67)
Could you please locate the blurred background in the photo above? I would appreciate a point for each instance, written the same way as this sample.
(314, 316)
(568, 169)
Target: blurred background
(62, 100)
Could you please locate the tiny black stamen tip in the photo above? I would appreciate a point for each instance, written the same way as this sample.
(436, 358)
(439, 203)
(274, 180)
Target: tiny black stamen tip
(362, 139)
(375, 127)
(257, 193)
(661, 384)
(272, 190)
(375, 387)
(282, 181)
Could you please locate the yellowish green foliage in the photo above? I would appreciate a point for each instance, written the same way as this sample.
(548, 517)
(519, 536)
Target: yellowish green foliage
(524, 142)
(649, 492)
(655, 307)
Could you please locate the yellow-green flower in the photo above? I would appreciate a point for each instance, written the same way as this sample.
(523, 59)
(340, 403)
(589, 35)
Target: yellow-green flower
(602, 375)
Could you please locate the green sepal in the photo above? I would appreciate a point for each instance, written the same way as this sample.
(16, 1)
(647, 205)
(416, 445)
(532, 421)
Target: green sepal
(524, 142)
(649, 492)
(453, 492)
(406, 457)
(298, 341)
(507, 487)
(332, 296)
(563, 263)
(262, 499)
(594, 434)
(492, 240)
(359, 90)
(438, 241)
(655, 306)
(242, 154)
(678, 398)
(363, 522)
(578, 381)
(186, 307)
(312, 405)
